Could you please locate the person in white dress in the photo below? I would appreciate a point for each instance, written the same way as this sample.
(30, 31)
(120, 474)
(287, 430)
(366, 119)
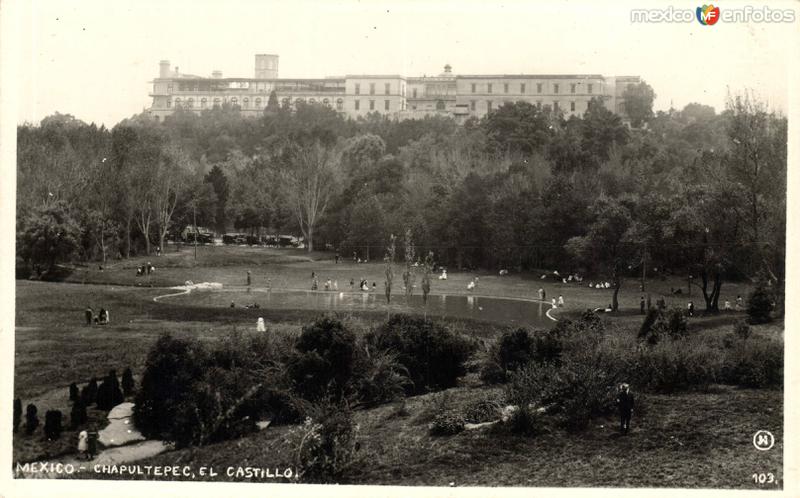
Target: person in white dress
(83, 444)
(471, 285)
(260, 326)
(560, 301)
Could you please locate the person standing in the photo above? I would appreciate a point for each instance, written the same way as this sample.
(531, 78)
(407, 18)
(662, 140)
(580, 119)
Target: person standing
(541, 294)
(91, 443)
(260, 326)
(560, 301)
(83, 444)
(544, 295)
(555, 305)
(691, 308)
(625, 405)
(641, 305)
(89, 314)
(739, 303)
(248, 278)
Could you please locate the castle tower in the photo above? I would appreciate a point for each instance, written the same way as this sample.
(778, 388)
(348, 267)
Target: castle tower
(266, 66)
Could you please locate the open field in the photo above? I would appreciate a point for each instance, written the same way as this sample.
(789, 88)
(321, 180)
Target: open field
(694, 439)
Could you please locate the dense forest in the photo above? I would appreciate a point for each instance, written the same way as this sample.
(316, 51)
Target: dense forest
(686, 192)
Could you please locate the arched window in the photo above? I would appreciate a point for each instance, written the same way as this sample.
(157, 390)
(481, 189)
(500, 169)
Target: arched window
(216, 101)
(440, 105)
(234, 101)
(339, 104)
(169, 103)
(258, 102)
(299, 100)
(312, 100)
(203, 102)
(190, 102)
(178, 102)
(286, 101)
(245, 102)
(326, 102)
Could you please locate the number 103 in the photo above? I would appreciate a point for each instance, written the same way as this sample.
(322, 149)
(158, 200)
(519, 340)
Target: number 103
(768, 478)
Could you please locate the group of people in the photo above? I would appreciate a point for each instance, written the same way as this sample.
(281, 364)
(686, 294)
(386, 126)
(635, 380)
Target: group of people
(87, 443)
(145, 269)
(102, 318)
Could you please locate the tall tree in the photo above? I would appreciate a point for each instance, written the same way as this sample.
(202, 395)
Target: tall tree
(639, 103)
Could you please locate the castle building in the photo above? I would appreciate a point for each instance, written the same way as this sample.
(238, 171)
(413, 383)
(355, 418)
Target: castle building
(396, 96)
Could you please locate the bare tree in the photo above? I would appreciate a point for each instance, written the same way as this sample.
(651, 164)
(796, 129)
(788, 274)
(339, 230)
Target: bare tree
(310, 183)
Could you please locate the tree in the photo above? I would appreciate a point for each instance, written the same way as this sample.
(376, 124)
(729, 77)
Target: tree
(216, 177)
(759, 305)
(53, 424)
(17, 413)
(109, 393)
(74, 392)
(426, 277)
(31, 420)
(607, 246)
(408, 273)
(361, 152)
(518, 127)
(127, 382)
(638, 100)
(273, 106)
(389, 260)
(49, 235)
(78, 414)
(310, 183)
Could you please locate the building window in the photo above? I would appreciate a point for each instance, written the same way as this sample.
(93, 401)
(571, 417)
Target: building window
(339, 104)
(258, 102)
(489, 88)
(472, 105)
(326, 102)
(169, 103)
(358, 104)
(538, 88)
(555, 88)
(312, 101)
(572, 88)
(245, 102)
(286, 102)
(473, 88)
(505, 87)
(572, 106)
(522, 88)
(371, 105)
(414, 93)
(372, 88)
(234, 101)
(358, 88)
(178, 102)
(589, 88)
(203, 103)
(555, 106)
(385, 105)
(190, 103)
(488, 106)
(440, 105)
(216, 101)
(387, 88)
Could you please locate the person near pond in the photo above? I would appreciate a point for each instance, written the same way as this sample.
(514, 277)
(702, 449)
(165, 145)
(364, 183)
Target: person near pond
(625, 405)
(641, 305)
(374, 286)
(336, 285)
(560, 301)
(555, 305)
(739, 303)
(443, 276)
(541, 294)
(314, 284)
(89, 314)
(364, 285)
(471, 285)
(727, 305)
(352, 283)
(690, 308)
(102, 316)
(544, 295)
(260, 326)
(83, 444)
(91, 443)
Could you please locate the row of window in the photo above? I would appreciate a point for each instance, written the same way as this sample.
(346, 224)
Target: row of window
(489, 105)
(387, 88)
(257, 102)
(573, 87)
(386, 105)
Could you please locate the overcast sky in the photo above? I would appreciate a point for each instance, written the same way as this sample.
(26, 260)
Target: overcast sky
(94, 59)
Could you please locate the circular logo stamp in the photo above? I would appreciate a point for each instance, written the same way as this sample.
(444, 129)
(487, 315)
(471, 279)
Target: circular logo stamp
(763, 440)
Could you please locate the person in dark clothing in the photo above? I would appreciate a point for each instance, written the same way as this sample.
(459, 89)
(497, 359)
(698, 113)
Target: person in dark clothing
(89, 313)
(691, 308)
(625, 404)
(91, 449)
(641, 305)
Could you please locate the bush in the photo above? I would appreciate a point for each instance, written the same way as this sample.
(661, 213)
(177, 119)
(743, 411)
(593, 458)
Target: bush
(486, 410)
(447, 423)
(658, 325)
(379, 377)
(673, 366)
(109, 393)
(127, 382)
(759, 305)
(31, 420)
(323, 362)
(17, 413)
(434, 356)
(325, 446)
(52, 424)
(645, 331)
(74, 392)
(525, 421)
(754, 364)
(742, 330)
(89, 392)
(513, 351)
(78, 415)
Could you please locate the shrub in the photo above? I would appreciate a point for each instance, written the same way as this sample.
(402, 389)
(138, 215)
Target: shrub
(759, 305)
(379, 377)
(109, 393)
(525, 421)
(325, 446)
(74, 392)
(754, 364)
(127, 382)
(486, 410)
(673, 366)
(89, 392)
(434, 356)
(78, 415)
(31, 420)
(17, 413)
(447, 423)
(742, 330)
(52, 424)
(513, 351)
(658, 325)
(645, 331)
(324, 359)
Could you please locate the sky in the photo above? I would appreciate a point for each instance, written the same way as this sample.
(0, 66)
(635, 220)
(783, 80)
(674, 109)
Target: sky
(94, 59)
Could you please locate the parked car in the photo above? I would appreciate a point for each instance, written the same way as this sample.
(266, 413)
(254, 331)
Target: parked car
(204, 235)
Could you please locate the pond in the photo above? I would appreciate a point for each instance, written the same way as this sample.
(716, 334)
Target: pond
(506, 311)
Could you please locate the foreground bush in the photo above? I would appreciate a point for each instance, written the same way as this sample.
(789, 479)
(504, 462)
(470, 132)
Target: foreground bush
(752, 363)
(433, 355)
(759, 305)
(323, 362)
(53, 424)
(109, 393)
(325, 446)
(672, 366)
(447, 423)
(659, 325)
(379, 377)
(511, 352)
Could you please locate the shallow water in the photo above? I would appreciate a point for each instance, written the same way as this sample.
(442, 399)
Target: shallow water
(506, 311)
